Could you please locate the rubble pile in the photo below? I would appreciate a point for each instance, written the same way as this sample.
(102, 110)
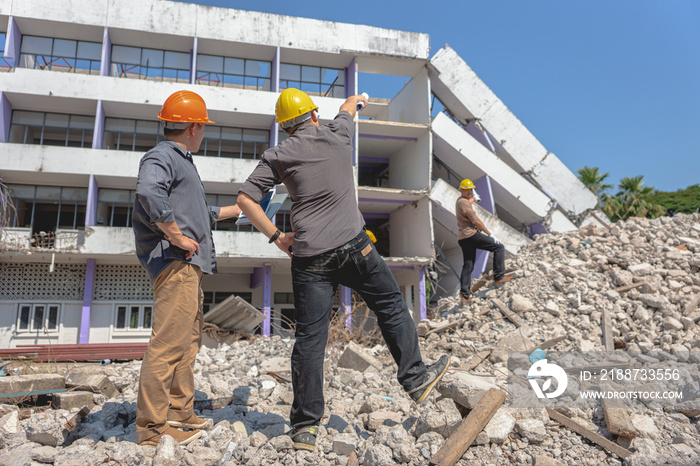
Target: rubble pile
(642, 274)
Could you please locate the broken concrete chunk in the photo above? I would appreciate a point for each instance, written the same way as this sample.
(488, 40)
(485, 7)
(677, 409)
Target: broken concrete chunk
(357, 358)
(464, 388)
(517, 340)
(71, 401)
(96, 383)
(532, 429)
(20, 385)
(521, 304)
(47, 428)
(382, 418)
(500, 426)
(345, 444)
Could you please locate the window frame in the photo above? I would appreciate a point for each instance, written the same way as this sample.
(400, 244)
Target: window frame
(129, 308)
(60, 61)
(31, 320)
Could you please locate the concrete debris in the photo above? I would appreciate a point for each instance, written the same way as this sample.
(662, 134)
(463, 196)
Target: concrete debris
(562, 284)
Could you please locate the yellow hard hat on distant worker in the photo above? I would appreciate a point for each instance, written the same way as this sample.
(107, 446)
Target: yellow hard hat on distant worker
(293, 107)
(466, 184)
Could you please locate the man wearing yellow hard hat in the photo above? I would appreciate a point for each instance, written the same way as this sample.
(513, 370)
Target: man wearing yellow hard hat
(474, 235)
(330, 248)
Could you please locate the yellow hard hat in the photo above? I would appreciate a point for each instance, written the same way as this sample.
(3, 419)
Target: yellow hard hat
(466, 184)
(291, 104)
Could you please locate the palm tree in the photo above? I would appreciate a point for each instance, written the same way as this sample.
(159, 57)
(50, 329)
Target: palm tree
(593, 179)
(632, 200)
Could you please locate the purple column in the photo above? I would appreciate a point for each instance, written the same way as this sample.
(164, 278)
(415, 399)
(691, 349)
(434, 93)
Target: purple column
(13, 40)
(483, 187)
(193, 62)
(91, 207)
(267, 298)
(106, 53)
(87, 301)
(98, 134)
(537, 229)
(5, 117)
(346, 305)
(421, 284)
(275, 87)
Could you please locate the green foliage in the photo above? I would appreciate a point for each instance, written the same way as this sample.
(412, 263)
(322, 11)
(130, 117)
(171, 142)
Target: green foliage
(593, 179)
(632, 200)
(685, 201)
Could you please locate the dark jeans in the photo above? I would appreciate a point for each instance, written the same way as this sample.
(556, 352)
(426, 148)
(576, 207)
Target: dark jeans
(356, 265)
(469, 247)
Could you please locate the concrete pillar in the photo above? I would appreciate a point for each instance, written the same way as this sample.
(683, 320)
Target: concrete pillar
(537, 229)
(267, 298)
(483, 187)
(90, 267)
(193, 62)
(91, 207)
(106, 53)
(13, 40)
(421, 284)
(351, 89)
(5, 117)
(98, 133)
(346, 305)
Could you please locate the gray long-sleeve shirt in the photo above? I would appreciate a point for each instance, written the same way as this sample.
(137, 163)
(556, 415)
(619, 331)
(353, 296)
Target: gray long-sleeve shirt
(169, 189)
(315, 164)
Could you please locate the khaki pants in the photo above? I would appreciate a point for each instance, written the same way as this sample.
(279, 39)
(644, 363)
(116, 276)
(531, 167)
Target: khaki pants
(166, 386)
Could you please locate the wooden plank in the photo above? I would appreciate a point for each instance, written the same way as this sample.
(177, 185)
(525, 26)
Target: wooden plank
(599, 440)
(622, 264)
(445, 327)
(75, 420)
(476, 359)
(548, 344)
(617, 419)
(622, 289)
(606, 324)
(455, 446)
(692, 305)
(507, 312)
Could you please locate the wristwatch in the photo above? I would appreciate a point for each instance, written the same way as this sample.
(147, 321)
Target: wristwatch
(274, 237)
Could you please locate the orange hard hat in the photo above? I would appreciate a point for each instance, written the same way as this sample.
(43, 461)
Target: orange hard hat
(184, 107)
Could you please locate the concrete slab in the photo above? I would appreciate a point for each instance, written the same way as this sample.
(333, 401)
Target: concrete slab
(234, 313)
(468, 98)
(95, 383)
(23, 385)
(71, 400)
(357, 358)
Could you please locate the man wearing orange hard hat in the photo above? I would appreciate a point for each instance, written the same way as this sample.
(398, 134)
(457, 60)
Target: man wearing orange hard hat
(474, 235)
(172, 226)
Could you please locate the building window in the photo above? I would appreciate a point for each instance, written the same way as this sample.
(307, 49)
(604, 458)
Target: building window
(38, 317)
(131, 135)
(114, 207)
(152, 64)
(313, 80)
(238, 143)
(233, 72)
(51, 129)
(134, 317)
(283, 221)
(5, 63)
(284, 298)
(212, 298)
(45, 209)
(73, 56)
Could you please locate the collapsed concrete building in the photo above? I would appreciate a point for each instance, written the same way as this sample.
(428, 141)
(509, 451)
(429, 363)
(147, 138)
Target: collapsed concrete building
(81, 82)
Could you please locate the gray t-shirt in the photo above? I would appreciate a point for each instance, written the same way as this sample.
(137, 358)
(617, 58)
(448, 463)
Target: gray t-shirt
(168, 189)
(315, 164)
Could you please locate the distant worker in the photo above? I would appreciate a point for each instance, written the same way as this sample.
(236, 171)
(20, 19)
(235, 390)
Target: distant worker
(172, 226)
(474, 235)
(330, 247)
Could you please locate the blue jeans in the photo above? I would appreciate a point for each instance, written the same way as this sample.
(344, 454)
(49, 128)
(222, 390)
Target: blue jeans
(315, 280)
(469, 246)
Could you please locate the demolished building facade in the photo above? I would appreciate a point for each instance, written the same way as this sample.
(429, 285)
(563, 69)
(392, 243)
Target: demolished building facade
(81, 82)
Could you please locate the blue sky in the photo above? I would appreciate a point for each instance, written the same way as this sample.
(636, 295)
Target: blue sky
(612, 84)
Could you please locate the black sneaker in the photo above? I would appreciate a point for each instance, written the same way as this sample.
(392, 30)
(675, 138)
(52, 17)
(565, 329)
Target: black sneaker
(433, 376)
(304, 438)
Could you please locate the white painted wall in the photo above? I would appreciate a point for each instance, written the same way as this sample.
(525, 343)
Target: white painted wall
(409, 168)
(412, 103)
(410, 230)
